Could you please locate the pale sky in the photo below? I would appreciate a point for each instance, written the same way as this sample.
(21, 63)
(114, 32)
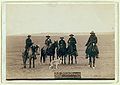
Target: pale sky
(39, 18)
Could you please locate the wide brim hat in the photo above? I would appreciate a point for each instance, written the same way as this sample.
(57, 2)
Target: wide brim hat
(71, 35)
(48, 36)
(29, 36)
(92, 32)
(61, 37)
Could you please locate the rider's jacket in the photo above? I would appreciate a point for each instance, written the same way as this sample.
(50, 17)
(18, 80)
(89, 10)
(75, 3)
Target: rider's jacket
(62, 43)
(72, 41)
(92, 39)
(48, 41)
(28, 42)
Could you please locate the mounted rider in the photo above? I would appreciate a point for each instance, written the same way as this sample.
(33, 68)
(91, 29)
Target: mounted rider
(72, 42)
(48, 42)
(62, 42)
(28, 43)
(92, 39)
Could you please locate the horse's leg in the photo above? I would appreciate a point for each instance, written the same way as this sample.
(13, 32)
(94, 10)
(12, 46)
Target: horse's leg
(71, 59)
(90, 61)
(29, 61)
(33, 62)
(24, 61)
(24, 64)
(94, 61)
(43, 59)
(64, 59)
(50, 58)
(53, 57)
(75, 59)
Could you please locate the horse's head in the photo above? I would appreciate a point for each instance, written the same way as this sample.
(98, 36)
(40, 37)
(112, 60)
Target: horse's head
(93, 47)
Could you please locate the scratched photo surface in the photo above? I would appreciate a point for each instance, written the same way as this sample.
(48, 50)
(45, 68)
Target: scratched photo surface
(60, 20)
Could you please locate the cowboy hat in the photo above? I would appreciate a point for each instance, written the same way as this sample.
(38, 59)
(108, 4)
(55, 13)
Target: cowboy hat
(29, 36)
(71, 35)
(48, 36)
(61, 37)
(92, 32)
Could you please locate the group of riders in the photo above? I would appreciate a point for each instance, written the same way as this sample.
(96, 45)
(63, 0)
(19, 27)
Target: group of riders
(71, 42)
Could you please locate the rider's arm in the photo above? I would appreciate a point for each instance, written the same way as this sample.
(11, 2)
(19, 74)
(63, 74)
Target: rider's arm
(68, 41)
(75, 41)
(87, 42)
(96, 40)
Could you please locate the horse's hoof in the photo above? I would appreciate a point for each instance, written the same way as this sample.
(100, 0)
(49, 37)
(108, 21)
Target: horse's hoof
(76, 62)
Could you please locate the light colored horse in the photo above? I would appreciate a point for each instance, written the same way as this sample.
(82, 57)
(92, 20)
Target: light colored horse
(30, 55)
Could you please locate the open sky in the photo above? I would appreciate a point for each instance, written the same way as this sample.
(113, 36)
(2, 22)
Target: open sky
(39, 18)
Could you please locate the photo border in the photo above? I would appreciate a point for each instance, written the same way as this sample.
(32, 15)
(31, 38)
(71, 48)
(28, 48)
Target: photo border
(3, 62)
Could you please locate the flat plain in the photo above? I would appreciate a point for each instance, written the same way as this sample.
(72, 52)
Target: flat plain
(105, 64)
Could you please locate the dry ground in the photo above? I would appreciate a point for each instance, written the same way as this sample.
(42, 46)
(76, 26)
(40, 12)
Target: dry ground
(105, 65)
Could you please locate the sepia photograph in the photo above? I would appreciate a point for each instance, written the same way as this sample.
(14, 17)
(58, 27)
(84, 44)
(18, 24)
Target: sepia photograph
(60, 41)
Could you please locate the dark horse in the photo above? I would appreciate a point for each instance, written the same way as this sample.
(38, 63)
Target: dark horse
(92, 53)
(30, 55)
(61, 52)
(71, 52)
(45, 51)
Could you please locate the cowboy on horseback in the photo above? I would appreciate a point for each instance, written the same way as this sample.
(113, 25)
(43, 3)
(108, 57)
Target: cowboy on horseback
(28, 43)
(72, 42)
(92, 39)
(62, 42)
(48, 42)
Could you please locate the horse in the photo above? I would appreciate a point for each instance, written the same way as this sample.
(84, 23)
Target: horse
(30, 54)
(48, 51)
(61, 53)
(71, 52)
(92, 53)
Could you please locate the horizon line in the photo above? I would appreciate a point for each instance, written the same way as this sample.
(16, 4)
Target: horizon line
(53, 33)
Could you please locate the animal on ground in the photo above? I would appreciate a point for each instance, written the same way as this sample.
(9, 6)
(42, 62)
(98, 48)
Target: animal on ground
(55, 63)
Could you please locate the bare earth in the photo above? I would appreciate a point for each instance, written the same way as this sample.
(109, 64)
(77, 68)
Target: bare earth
(105, 65)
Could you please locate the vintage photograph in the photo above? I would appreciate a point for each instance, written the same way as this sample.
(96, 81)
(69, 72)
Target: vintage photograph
(60, 41)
